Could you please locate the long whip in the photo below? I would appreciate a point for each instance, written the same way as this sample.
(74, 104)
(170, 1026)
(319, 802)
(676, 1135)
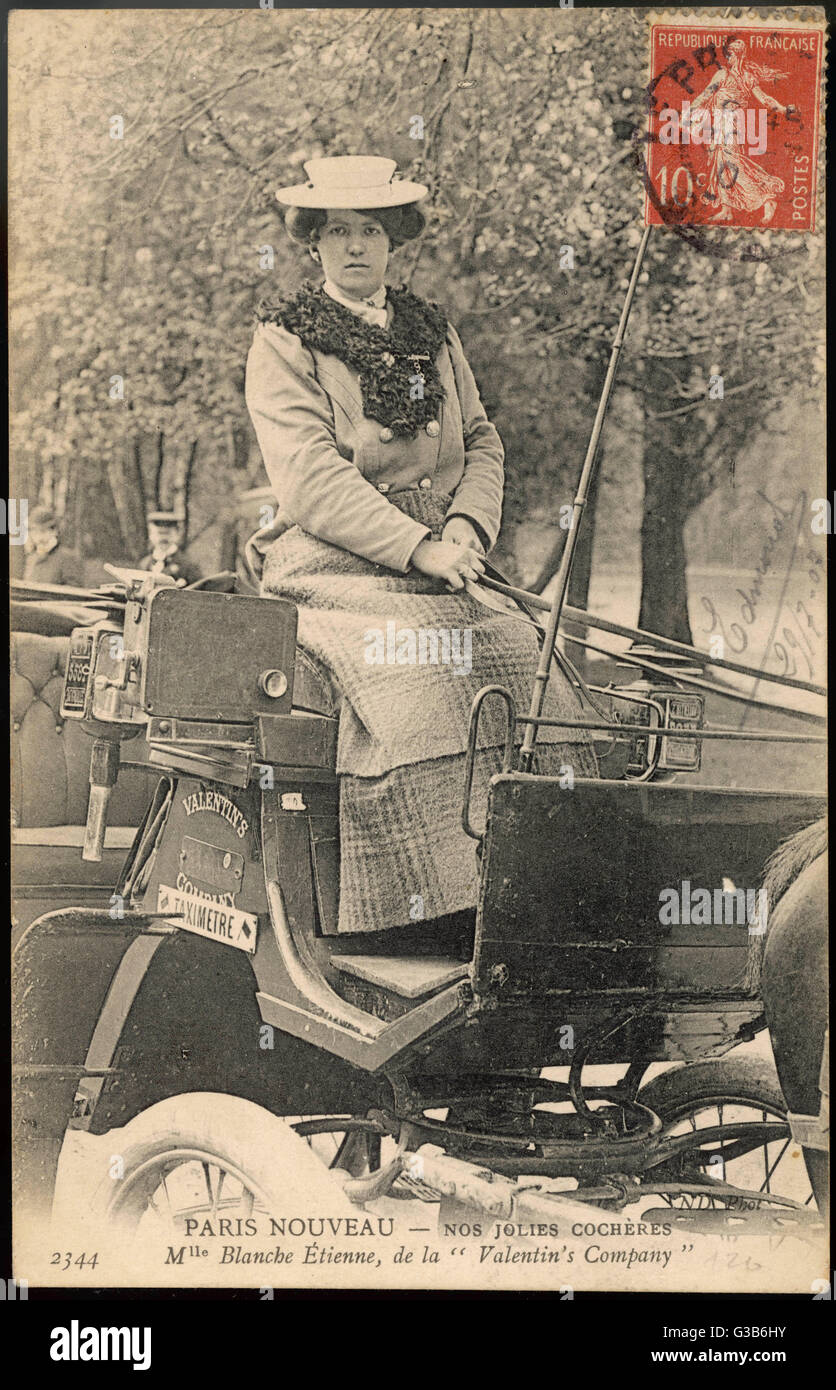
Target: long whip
(541, 679)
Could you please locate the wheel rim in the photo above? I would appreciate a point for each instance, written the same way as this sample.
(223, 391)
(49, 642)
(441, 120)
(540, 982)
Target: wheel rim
(185, 1182)
(193, 1182)
(768, 1170)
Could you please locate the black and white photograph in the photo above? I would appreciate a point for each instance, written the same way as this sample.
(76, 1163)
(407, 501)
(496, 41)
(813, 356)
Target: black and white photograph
(417, 535)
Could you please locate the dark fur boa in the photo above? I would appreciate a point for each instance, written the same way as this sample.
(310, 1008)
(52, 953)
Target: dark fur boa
(385, 360)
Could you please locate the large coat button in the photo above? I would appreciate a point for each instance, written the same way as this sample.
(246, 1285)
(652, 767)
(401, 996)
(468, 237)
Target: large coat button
(383, 487)
(426, 482)
(432, 428)
(386, 434)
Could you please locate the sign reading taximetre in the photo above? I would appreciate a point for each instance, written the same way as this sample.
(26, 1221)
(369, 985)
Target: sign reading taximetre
(206, 916)
(733, 125)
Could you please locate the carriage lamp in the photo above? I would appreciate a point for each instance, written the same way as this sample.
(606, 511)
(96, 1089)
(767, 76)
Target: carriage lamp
(273, 683)
(101, 680)
(106, 662)
(663, 705)
(100, 691)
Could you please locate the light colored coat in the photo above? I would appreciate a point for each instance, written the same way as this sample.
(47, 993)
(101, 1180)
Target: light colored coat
(331, 467)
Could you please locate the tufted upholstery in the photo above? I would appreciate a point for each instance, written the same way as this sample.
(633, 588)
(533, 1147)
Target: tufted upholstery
(51, 757)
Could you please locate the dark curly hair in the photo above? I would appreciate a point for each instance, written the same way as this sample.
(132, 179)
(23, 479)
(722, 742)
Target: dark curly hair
(399, 223)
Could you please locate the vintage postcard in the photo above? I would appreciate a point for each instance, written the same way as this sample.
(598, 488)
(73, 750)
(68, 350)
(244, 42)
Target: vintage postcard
(418, 650)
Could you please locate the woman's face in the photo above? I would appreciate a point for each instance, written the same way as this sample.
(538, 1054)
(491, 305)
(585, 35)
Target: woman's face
(354, 249)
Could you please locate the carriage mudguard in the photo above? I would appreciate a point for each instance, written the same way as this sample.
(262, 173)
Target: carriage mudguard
(114, 1016)
(64, 967)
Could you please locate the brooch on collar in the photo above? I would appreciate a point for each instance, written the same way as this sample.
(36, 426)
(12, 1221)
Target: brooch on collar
(399, 379)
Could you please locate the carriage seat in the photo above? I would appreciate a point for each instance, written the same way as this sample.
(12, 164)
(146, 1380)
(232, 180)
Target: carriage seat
(50, 756)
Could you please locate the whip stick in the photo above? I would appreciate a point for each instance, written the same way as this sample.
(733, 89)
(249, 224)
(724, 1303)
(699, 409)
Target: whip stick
(636, 634)
(541, 679)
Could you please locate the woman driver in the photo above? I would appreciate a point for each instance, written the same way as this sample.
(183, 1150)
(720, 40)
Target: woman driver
(381, 454)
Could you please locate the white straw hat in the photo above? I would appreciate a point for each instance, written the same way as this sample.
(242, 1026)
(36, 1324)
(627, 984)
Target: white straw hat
(351, 181)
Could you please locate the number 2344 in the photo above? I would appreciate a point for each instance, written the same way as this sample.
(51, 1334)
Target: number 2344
(66, 1258)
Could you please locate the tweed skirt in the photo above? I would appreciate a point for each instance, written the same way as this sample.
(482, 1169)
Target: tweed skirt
(407, 659)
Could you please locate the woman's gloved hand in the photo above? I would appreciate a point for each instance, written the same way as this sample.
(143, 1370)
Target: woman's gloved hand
(449, 561)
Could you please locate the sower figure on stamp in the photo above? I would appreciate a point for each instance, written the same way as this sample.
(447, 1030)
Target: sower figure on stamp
(735, 182)
(381, 455)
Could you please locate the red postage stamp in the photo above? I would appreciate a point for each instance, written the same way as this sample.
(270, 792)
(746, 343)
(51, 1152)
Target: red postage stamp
(733, 124)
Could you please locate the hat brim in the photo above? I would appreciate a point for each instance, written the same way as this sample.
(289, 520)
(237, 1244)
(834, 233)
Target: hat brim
(387, 195)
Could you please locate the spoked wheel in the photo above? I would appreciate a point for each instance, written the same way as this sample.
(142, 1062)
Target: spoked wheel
(197, 1158)
(348, 1142)
(734, 1115)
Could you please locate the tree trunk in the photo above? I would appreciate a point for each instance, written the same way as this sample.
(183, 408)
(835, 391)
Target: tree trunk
(578, 593)
(229, 546)
(664, 601)
(582, 563)
(125, 478)
(181, 491)
(159, 465)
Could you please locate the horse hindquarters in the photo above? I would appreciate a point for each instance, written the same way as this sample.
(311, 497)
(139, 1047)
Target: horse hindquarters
(795, 996)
